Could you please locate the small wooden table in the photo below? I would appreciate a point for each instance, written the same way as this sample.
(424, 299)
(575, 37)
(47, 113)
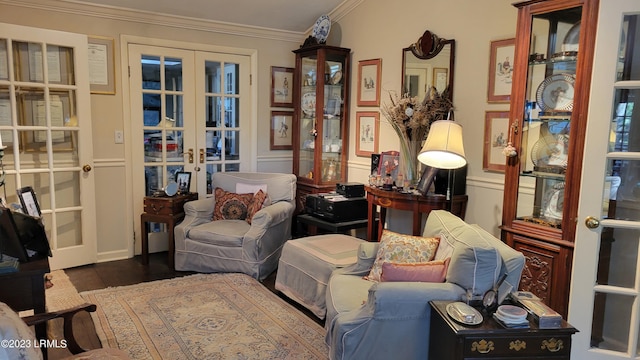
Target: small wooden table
(314, 223)
(449, 340)
(163, 209)
(418, 204)
(24, 290)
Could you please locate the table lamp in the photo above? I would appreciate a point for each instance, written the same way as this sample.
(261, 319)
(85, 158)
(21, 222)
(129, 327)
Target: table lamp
(443, 149)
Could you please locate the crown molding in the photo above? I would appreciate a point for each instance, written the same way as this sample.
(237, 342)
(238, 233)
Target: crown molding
(151, 18)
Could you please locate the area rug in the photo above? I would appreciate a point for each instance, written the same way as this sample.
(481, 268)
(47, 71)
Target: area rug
(204, 316)
(61, 295)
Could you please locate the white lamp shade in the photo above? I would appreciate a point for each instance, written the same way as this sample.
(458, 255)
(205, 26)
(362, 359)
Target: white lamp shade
(443, 148)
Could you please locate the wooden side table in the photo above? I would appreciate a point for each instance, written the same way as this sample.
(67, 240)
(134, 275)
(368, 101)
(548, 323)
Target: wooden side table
(418, 204)
(168, 210)
(24, 290)
(314, 223)
(450, 340)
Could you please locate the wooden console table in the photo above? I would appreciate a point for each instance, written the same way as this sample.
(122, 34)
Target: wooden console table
(450, 340)
(24, 290)
(163, 209)
(418, 204)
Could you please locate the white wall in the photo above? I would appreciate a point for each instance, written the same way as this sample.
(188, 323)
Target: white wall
(381, 29)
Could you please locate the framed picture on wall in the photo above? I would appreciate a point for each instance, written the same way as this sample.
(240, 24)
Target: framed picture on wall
(281, 87)
(102, 77)
(501, 70)
(367, 128)
(280, 134)
(496, 137)
(369, 75)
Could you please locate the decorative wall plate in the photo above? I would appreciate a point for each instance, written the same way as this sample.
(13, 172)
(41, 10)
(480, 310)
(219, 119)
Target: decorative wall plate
(309, 103)
(337, 76)
(550, 150)
(555, 93)
(571, 40)
(553, 203)
(321, 28)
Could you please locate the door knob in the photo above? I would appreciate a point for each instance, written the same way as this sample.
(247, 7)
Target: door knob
(86, 168)
(591, 222)
(190, 153)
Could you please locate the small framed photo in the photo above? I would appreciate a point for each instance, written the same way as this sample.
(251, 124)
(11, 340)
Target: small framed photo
(496, 137)
(389, 163)
(281, 87)
(102, 73)
(369, 75)
(281, 125)
(29, 201)
(501, 70)
(184, 182)
(367, 129)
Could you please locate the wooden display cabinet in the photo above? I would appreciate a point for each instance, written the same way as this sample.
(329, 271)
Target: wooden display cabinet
(549, 101)
(321, 119)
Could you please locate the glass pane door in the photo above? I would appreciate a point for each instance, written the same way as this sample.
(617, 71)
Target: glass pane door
(45, 125)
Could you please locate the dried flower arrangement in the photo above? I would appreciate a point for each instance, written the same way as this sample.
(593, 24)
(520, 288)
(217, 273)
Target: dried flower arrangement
(411, 119)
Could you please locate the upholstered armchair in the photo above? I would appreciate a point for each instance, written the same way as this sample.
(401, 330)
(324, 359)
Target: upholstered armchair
(391, 320)
(241, 240)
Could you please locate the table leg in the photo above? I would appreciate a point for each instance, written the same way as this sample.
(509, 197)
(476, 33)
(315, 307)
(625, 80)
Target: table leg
(381, 221)
(417, 223)
(145, 242)
(371, 223)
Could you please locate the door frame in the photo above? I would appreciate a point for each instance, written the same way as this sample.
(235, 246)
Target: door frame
(134, 210)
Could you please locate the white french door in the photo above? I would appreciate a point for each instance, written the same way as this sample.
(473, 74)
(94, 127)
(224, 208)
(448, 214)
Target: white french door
(604, 302)
(45, 124)
(190, 112)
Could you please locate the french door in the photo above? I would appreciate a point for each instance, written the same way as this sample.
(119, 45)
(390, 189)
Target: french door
(605, 294)
(190, 113)
(45, 124)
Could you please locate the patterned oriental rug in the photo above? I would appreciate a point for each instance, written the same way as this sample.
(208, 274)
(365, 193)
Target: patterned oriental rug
(204, 316)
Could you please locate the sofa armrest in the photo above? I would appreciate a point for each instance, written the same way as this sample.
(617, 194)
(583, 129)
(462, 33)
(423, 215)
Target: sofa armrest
(270, 229)
(395, 300)
(367, 252)
(201, 208)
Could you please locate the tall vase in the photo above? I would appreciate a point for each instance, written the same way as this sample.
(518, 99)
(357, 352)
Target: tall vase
(409, 160)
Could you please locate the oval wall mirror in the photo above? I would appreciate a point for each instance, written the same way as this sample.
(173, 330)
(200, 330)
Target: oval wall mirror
(428, 63)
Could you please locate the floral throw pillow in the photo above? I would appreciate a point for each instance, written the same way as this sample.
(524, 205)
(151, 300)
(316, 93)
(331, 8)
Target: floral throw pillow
(402, 249)
(256, 204)
(231, 206)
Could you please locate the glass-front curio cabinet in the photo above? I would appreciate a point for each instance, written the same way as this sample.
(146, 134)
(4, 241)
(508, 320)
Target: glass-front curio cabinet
(550, 89)
(321, 118)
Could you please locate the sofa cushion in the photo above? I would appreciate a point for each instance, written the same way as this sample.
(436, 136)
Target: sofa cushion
(12, 328)
(476, 264)
(256, 204)
(222, 232)
(400, 248)
(432, 271)
(231, 206)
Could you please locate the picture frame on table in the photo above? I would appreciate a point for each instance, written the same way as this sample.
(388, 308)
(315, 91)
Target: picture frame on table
(102, 74)
(29, 201)
(281, 87)
(367, 130)
(369, 76)
(280, 137)
(184, 182)
(501, 70)
(389, 163)
(496, 137)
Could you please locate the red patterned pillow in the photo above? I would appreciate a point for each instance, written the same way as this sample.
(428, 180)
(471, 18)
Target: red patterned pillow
(256, 204)
(432, 271)
(231, 206)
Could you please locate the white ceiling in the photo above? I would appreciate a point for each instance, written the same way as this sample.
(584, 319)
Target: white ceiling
(289, 15)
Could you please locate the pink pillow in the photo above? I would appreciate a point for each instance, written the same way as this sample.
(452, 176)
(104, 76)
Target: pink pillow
(432, 271)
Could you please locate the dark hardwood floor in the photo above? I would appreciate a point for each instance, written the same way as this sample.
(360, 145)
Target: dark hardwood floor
(129, 272)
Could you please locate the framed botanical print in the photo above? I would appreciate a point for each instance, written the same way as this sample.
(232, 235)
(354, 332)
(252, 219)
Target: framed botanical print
(280, 135)
(367, 128)
(102, 78)
(281, 87)
(501, 70)
(496, 137)
(369, 75)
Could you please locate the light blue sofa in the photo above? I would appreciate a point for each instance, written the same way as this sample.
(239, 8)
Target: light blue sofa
(234, 245)
(390, 320)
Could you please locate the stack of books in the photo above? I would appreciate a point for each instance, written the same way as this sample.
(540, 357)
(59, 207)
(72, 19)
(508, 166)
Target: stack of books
(511, 316)
(8, 264)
